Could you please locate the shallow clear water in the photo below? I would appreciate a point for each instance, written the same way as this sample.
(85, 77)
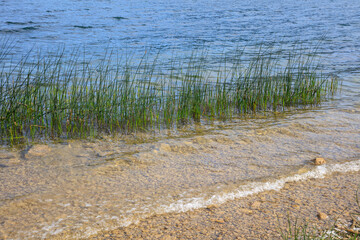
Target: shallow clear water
(75, 189)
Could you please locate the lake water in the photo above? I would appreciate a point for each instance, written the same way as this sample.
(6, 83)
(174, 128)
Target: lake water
(79, 188)
(185, 25)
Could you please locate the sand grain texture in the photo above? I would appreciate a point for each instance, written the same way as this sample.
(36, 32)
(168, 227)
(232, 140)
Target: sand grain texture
(256, 217)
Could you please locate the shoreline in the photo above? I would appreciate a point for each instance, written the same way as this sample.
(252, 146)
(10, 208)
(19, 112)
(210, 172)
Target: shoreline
(77, 189)
(257, 216)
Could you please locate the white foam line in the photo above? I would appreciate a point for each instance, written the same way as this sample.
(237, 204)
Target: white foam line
(188, 204)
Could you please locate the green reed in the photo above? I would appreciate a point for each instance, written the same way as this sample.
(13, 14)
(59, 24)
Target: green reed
(67, 96)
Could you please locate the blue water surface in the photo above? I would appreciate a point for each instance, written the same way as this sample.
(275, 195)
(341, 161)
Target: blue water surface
(181, 26)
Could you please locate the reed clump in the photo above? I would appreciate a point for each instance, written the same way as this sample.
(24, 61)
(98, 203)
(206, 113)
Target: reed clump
(65, 96)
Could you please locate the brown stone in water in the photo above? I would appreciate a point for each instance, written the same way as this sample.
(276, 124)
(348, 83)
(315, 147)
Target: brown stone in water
(37, 151)
(322, 216)
(319, 161)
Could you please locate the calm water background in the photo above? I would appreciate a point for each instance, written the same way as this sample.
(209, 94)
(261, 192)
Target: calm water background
(81, 188)
(181, 26)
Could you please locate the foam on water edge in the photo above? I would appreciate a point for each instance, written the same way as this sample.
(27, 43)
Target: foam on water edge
(188, 204)
(184, 205)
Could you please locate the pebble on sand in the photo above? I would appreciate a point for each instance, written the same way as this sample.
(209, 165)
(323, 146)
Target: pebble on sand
(322, 216)
(218, 220)
(319, 161)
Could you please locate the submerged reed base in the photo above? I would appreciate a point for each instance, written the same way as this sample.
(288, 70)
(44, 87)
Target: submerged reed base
(63, 97)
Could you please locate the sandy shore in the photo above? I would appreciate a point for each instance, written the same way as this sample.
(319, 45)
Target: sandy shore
(255, 217)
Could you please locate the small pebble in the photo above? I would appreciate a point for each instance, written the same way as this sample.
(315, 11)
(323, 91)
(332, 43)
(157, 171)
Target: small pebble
(319, 161)
(219, 221)
(212, 207)
(322, 216)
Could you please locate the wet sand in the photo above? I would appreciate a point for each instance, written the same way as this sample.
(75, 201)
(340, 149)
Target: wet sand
(257, 216)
